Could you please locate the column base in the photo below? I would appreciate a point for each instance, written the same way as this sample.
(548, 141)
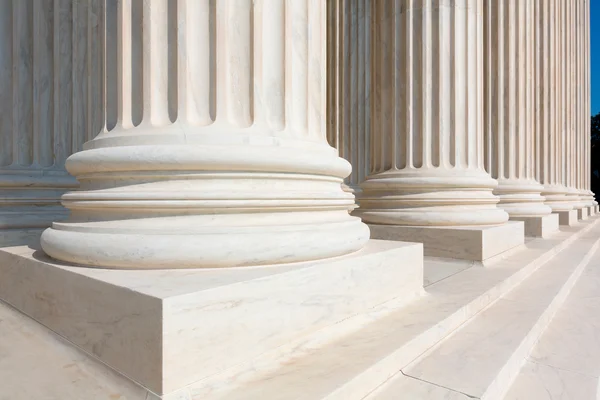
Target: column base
(543, 226)
(466, 243)
(591, 210)
(568, 218)
(167, 329)
(582, 213)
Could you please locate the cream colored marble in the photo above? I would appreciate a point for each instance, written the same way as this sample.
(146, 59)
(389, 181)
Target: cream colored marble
(409, 388)
(219, 157)
(349, 84)
(465, 243)
(509, 108)
(390, 338)
(543, 382)
(50, 103)
(568, 218)
(37, 364)
(168, 329)
(548, 102)
(582, 213)
(426, 164)
(540, 226)
(482, 358)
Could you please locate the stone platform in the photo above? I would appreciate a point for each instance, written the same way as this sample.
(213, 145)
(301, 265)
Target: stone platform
(540, 226)
(465, 243)
(166, 329)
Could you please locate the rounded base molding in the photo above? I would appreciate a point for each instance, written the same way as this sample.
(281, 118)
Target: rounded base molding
(557, 198)
(430, 198)
(205, 201)
(521, 198)
(111, 245)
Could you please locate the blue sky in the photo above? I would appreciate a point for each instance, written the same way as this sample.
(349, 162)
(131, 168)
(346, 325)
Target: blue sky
(595, 49)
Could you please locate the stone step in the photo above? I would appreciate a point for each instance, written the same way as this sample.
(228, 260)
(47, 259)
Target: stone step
(380, 343)
(482, 358)
(565, 363)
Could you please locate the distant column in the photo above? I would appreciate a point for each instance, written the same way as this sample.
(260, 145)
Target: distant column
(51, 102)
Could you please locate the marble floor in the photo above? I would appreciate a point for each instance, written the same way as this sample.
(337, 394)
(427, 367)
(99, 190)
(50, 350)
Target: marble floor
(565, 363)
(526, 325)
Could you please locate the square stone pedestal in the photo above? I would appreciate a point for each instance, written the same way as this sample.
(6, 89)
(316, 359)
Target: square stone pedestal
(466, 243)
(539, 226)
(597, 209)
(583, 213)
(568, 218)
(591, 210)
(166, 329)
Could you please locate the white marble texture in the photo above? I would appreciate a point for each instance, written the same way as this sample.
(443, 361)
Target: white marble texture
(542, 382)
(426, 162)
(168, 329)
(565, 363)
(582, 213)
(349, 84)
(37, 364)
(391, 339)
(540, 226)
(219, 156)
(482, 358)
(467, 243)
(567, 218)
(509, 111)
(50, 103)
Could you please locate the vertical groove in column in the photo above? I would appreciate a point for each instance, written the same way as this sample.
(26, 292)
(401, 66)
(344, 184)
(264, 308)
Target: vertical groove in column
(508, 117)
(316, 90)
(196, 62)
(296, 58)
(156, 55)
(273, 64)
(23, 83)
(43, 73)
(63, 87)
(96, 98)
(349, 74)
(80, 73)
(7, 109)
(427, 107)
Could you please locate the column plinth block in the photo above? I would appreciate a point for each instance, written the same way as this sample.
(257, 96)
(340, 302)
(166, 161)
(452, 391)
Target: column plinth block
(568, 218)
(541, 226)
(467, 243)
(170, 328)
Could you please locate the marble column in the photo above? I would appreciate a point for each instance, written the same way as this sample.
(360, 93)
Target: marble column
(548, 104)
(50, 103)
(587, 194)
(427, 161)
(219, 157)
(509, 113)
(348, 89)
(571, 160)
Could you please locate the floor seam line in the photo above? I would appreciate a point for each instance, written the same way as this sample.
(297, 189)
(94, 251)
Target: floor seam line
(440, 386)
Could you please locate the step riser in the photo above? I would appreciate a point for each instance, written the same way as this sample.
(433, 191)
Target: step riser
(362, 385)
(500, 386)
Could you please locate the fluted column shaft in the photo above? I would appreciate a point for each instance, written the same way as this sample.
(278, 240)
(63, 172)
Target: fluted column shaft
(348, 90)
(549, 104)
(426, 164)
(509, 113)
(219, 156)
(50, 103)
(584, 26)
